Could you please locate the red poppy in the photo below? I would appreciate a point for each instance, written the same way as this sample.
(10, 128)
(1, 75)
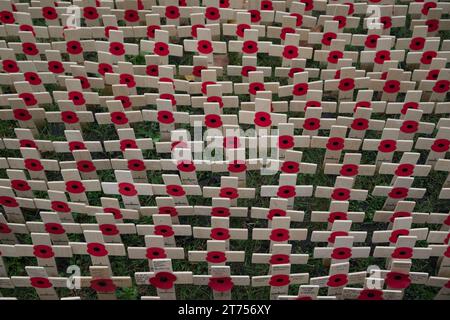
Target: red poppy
(299, 19)
(346, 84)
(165, 117)
(197, 70)
(447, 252)
(428, 56)
(32, 78)
(441, 145)
(220, 212)
(254, 87)
(216, 257)
(4, 228)
(155, 253)
(398, 193)
(447, 221)
(417, 43)
(286, 191)
(161, 49)
(172, 211)
(109, 229)
(77, 98)
(285, 142)
(433, 25)
(220, 234)
(40, 283)
(8, 202)
(262, 119)
(205, 86)
(75, 186)
(237, 166)
(186, 166)
(215, 99)
(172, 12)
(60, 206)
(194, 30)
(84, 82)
(311, 124)
(337, 216)
(279, 235)
(69, 117)
(371, 41)
(290, 167)
(136, 165)
(266, 5)
(402, 253)
(337, 280)
(131, 15)
(231, 142)
(10, 66)
(300, 89)
(279, 259)
(151, 30)
(116, 212)
(108, 29)
(341, 253)
(103, 285)
(212, 13)
(293, 71)
(397, 233)
(341, 20)
(228, 192)
(22, 114)
(224, 3)
(127, 79)
(54, 228)
(250, 46)
(28, 98)
(333, 235)
(90, 13)
(74, 47)
(370, 294)
(241, 28)
(328, 37)
(163, 280)
(441, 86)
(30, 49)
(204, 46)
(164, 230)
(397, 280)
(334, 56)
(7, 17)
(220, 284)
(117, 48)
(290, 52)
(76, 145)
(25, 143)
(152, 70)
(49, 13)
(340, 194)
(387, 145)
(404, 170)
(119, 118)
(43, 252)
(391, 86)
(433, 74)
(335, 143)
(409, 126)
(399, 214)
(349, 170)
(304, 298)
(382, 56)
(97, 249)
(279, 280)
(386, 21)
(213, 121)
(427, 6)
(276, 213)
(33, 165)
(127, 189)
(175, 190)
(20, 185)
(104, 68)
(86, 166)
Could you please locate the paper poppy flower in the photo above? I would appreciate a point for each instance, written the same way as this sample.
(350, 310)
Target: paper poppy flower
(250, 47)
(433, 25)
(126, 102)
(165, 117)
(362, 104)
(441, 86)
(231, 142)
(164, 230)
(447, 221)
(119, 118)
(30, 49)
(22, 114)
(246, 69)
(220, 212)
(117, 48)
(398, 193)
(186, 166)
(440, 145)
(220, 234)
(224, 3)
(386, 21)
(360, 124)
(152, 70)
(399, 214)
(266, 5)
(254, 87)
(172, 12)
(337, 280)
(341, 253)
(75, 187)
(371, 41)
(127, 79)
(328, 37)
(285, 142)
(74, 47)
(427, 6)
(290, 167)
(60, 206)
(397, 280)
(237, 166)
(335, 143)
(127, 144)
(90, 13)
(86, 166)
(433, 74)
(300, 89)
(342, 21)
(43, 252)
(175, 190)
(204, 46)
(279, 235)
(216, 257)
(382, 56)
(311, 124)
(205, 86)
(213, 121)
(349, 170)
(127, 189)
(8, 202)
(220, 284)
(155, 253)
(163, 280)
(290, 52)
(346, 84)
(409, 126)
(33, 164)
(108, 30)
(293, 71)
(241, 28)
(402, 253)
(279, 259)
(103, 285)
(262, 119)
(404, 170)
(76, 145)
(285, 31)
(228, 192)
(20, 185)
(298, 19)
(69, 117)
(276, 213)
(417, 43)
(428, 56)
(334, 56)
(131, 15)
(25, 143)
(104, 68)
(136, 165)
(370, 294)
(194, 32)
(54, 228)
(32, 78)
(115, 212)
(10, 66)
(151, 31)
(4, 228)
(340, 194)
(387, 145)
(77, 98)
(96, 249)
(337, 216)
(447, 252)
(84, 82)
(40, 283)
(49, 13)
(108, 229)
(172, 211)
(391, 86)
(215, 99)
(28, 99)
(197, 70)
(286, 192)
(333, 235)
(279, 280)
(397, 233)
(161, 49)
(7, 17)
(212, 13)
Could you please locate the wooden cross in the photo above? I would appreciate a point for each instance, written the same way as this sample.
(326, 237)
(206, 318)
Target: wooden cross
(12, 204)
(342, 190)
(6, 250)
(30, 118)
(312, 122)
(437, 146)
(8, 230)
(438, 87)
(86, 165)
(402, 209)
(167, 206)
(111, 205)
(369, 292)
(400, 277)
(341, 251)
(23, 187)
(300, 89)
(229, 188)
(118, 116)
(173, 187)
(396, 82)
(404, 249)
(216, 254)
(75, 142)
(281, 253)
(249, 45)
(72, 119)
(407, 167)
(59, 203)
(221, 207)
(278, 208)
(339, 228)
(363, 100)
(204, 45)
(411, 125)
(338, 211)
(33, 163)
(220, 230)
(161, 47)
(400, 227)
(444, 284)
(109, 227)
(75, 98)
(351, 167)
(197, 21)
(128, 140)
(290, 50)
(242, 22)
(26, 139)
(330, 32)
(117, 47)
(339, 13)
